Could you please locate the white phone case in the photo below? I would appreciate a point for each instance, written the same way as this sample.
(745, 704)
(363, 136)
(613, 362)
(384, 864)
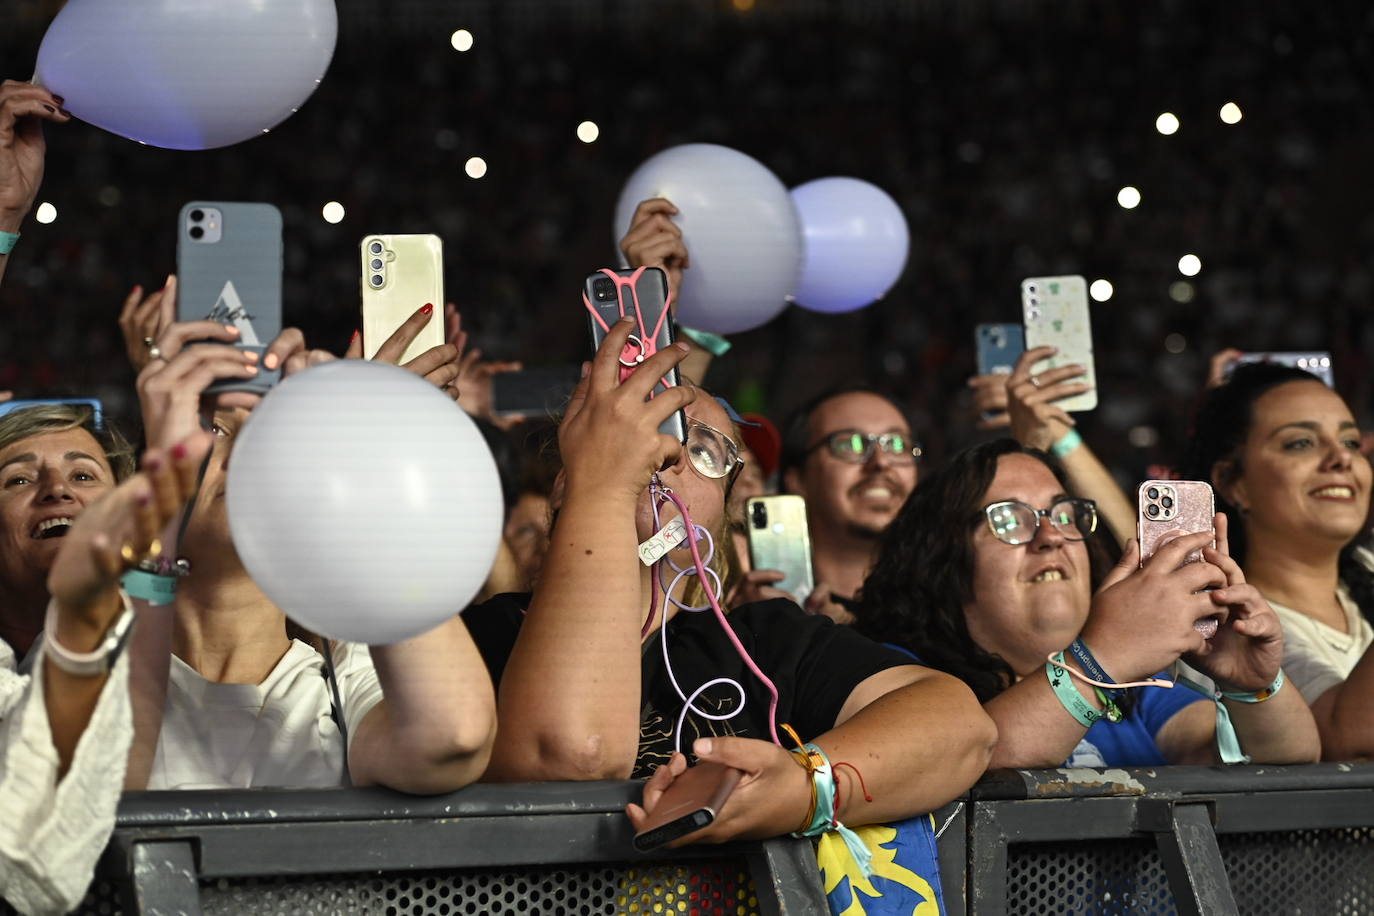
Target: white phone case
(1055, 312)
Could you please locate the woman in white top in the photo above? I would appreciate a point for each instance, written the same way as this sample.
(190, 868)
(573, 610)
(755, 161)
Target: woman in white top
(247, 705)
(1283, 452)
(66, 729)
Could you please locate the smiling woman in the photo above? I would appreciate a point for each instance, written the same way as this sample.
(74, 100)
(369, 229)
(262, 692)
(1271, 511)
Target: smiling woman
(54, 462)
(993, 566)
(1283, 451)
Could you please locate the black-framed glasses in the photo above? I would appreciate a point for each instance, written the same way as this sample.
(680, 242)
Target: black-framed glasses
(855, 446)
(1014, 522)
(713, 453)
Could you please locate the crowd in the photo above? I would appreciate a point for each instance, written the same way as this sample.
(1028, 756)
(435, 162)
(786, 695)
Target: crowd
(989, 608)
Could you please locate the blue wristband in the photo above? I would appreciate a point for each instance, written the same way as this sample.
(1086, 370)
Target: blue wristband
(8, 241)
(1079, 650)
(1066, 443)
(150, 587)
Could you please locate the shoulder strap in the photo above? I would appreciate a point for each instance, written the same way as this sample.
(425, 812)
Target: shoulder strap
(336, 704)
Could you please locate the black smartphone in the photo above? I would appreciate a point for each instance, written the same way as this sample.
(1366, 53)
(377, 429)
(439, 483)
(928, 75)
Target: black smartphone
(540, 392)
(643, 292)
(692, 802)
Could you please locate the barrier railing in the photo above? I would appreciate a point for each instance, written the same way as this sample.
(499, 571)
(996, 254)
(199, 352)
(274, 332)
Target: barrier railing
(1186, 840)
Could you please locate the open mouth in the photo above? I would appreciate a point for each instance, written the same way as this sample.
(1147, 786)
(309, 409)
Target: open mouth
(52, 528)
(1334, 492)
(1049, 575)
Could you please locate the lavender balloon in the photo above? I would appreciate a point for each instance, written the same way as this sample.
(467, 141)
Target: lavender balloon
(856, 244)
(187, 74)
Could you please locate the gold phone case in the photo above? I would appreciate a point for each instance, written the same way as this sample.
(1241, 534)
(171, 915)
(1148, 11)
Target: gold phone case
(780, 539)
(401, 273)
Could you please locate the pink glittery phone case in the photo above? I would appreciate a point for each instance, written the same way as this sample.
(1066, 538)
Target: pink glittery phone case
(1168, 509)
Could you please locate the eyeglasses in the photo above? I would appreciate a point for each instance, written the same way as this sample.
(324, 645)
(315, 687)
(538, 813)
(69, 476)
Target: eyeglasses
(1013, 522)
(713, 453)
(852, 445)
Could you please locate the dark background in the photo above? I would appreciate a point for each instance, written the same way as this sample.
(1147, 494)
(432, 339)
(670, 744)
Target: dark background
(1004, 130)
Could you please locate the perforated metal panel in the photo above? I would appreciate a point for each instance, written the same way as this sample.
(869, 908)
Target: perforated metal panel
(1107, 877)
(1302, 872)
(716, 888)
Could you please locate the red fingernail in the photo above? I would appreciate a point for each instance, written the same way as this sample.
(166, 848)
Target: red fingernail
(356, 335)
(59, 99)
(428, 308)
(136, 288)
(152, 463)
(51, 109)
(179, 451)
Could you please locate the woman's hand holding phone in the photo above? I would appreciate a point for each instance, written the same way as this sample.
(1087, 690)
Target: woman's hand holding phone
(609, 437)
(1142, 617)
(1247, 650)
(1034, 418)
(438, 365)
(770, 800)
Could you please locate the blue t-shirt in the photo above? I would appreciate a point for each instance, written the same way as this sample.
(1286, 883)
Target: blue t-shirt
(1131, 742)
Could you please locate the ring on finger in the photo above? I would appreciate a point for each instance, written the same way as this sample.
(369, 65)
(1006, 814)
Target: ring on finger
(148, 342)
(154, 352)
(1034, 381)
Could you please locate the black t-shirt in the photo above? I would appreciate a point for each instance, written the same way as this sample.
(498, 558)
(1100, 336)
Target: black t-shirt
(814, 663)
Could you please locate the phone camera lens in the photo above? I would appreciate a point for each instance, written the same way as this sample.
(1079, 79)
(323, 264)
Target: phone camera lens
(377, 280)
(1167, 503)
(1153, 493)
(197, 215)
(375, 248)
(376, 263)
(760, 516)
(1152, 510)
(603, 288)
(196, 232)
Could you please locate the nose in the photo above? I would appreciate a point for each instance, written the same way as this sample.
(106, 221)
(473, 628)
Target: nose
(1337, 456)
(53, 488)
(1047, 534)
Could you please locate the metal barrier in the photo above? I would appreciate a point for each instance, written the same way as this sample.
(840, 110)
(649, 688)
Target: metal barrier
(1187, 840)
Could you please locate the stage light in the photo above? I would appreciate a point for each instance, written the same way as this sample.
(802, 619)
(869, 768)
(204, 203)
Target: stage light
(461, 40)
(46, 213)
(1189, 265)
(1101, 290)
(333, 212)
(476, 167)
(1167, 123)
(1182, 291)
(1128, 197)
(1230, 113)
(1175, 343)
(587, 131)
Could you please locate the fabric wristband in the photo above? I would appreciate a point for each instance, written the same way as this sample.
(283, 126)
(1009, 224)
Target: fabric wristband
(98, 661)
(150, 587)
(711, 343)
(1068, 694)
(1079, 650)
(1066, 443)
(1228, 745)
(1259, 696)
(823, 818)
(7, 241)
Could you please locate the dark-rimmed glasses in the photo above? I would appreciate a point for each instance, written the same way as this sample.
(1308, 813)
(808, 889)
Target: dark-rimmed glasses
(855, 446)
(1014, 522)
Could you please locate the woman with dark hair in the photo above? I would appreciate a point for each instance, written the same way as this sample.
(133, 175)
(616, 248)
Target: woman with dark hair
(992, 566)
(1283, 452)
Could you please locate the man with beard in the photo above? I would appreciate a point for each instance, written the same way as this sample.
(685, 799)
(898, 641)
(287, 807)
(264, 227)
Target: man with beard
(850, 454)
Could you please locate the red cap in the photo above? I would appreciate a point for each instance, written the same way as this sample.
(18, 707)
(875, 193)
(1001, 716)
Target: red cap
(763, 439)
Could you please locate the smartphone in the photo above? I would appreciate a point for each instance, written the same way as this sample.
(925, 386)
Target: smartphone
(692, 802)
(229, 265)
(1055, 312)
(779, 539)
(401, 273)
(999, 347)
(642, 292)
(541, 392)
(1168, 509)
(97, 410)
(1318, 363)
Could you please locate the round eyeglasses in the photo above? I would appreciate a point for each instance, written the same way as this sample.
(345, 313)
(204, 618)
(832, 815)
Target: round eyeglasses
(852, 445)
(713, 453)
(1014, 522)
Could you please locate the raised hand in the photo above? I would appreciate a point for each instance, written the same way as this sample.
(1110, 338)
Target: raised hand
(654, 240)
(144, 319)
(1247, 649)
(1035, 420)
(438, 365)
(23, 109)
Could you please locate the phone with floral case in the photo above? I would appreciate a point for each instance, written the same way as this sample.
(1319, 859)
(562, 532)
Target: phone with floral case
(1055, 314)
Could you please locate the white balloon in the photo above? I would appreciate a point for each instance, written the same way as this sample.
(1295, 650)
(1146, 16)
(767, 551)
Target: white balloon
(856, 243)
(740, 229)
(187, 74)
(364, 502)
